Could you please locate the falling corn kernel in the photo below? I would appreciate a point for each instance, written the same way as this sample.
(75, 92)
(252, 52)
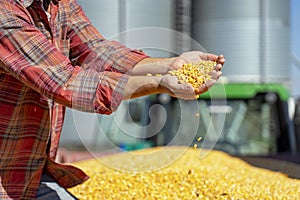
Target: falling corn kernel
(199, 138)
(197, 114)
(195, 146)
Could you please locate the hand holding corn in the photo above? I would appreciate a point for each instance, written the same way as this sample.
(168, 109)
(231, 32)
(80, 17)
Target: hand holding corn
(154, 75)
(193, 73)
(199, 69)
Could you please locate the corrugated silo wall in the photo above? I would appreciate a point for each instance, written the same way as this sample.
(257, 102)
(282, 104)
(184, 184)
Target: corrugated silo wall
(142, 24)
(252, 34)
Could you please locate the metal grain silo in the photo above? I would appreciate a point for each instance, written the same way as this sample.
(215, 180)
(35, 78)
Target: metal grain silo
(252, 34)
(129, 22)
(149, 25)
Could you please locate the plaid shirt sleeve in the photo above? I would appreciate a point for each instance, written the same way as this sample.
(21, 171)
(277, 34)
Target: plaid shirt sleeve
(63, 62)
(94, 53)
(37, 61)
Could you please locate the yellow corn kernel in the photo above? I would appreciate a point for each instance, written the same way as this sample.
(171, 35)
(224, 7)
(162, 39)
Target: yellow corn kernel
(195, 146)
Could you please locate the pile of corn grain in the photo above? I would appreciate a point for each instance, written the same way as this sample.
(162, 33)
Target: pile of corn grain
(217, 176)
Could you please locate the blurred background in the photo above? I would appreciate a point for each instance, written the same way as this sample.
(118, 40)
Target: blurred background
(253, 111)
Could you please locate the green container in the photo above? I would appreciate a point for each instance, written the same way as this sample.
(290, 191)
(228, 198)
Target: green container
(245, 91)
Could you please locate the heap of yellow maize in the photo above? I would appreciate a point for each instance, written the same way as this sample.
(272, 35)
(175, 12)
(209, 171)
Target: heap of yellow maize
(216, 176)
(194, 74)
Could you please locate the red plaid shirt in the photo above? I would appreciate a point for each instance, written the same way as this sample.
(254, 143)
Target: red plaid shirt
(45, 65)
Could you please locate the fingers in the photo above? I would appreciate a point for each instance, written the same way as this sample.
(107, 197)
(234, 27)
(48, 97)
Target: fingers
(184, 87)
(186, 91)
(196, 56)
(207, 56)
(177, 64)
(183, 91)
(207, 85)
(218, 67)
(216, 75)
(221, 60)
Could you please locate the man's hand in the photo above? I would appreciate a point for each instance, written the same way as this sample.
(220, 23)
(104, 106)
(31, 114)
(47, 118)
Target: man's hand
(170, 85)
(196, 57)
(140, 84)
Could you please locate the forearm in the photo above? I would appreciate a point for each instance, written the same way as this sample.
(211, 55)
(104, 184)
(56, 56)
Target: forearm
(138, 86)
(152, 66)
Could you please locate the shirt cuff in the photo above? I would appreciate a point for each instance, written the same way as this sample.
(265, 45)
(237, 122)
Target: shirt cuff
(127, 61)
(110, 91)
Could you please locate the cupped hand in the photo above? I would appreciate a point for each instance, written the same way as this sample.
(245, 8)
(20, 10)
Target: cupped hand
(196, 57)
(171, 86)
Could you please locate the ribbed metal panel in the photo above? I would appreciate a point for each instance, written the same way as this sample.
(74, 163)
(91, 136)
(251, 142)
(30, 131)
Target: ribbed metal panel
(120, 19)
(252, 34)
(157, 39)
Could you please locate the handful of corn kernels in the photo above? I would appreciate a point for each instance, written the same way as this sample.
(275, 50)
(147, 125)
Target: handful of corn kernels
(194, 74)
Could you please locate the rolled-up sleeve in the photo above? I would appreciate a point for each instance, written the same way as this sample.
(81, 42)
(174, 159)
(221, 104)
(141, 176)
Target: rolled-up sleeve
(91, 79)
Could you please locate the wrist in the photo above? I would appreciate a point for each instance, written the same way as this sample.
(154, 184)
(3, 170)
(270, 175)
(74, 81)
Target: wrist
(142, 85)
(153, 66)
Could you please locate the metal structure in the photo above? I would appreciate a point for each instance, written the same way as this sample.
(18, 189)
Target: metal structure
(253, 34)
